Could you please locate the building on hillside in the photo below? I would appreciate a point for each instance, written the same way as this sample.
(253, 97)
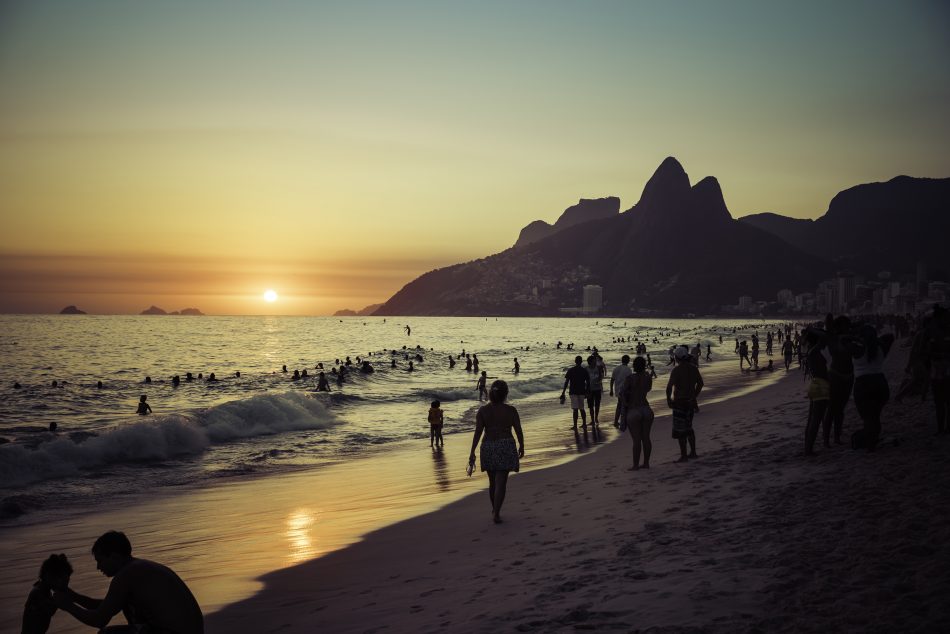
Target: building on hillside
(593, 298)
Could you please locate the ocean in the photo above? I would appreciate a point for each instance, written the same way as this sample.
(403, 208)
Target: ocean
(264, 425)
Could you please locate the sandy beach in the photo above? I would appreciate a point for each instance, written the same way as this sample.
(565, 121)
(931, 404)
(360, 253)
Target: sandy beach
(752, 536)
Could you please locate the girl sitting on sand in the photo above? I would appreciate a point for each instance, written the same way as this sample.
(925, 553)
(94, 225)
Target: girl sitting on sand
(39, 608)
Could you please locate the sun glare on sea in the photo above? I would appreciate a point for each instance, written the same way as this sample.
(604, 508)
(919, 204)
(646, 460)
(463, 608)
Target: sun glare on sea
(270, 295)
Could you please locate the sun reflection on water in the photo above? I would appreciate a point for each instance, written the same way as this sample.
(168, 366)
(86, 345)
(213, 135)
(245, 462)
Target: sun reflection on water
(300, 537)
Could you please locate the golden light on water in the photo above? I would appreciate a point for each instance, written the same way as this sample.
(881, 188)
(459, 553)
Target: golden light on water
(299, 535)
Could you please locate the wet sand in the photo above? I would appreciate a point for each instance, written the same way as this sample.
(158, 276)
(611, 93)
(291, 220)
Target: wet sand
(752, 536)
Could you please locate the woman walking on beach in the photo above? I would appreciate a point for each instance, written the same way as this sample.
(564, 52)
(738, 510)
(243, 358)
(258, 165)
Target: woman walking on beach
(498, 454)
(639, 417)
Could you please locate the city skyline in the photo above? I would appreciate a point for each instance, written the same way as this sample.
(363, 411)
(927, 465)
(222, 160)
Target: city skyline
(196, 155)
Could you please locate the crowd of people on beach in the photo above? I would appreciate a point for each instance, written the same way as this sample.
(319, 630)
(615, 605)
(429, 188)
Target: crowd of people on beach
(839, 358)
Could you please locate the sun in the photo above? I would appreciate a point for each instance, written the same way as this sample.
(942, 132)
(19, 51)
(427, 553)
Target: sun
(270, 296)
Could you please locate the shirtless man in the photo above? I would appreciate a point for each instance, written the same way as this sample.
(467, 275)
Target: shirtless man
(685, 385)
(153, 598)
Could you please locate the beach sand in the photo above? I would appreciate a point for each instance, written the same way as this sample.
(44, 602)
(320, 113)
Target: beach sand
(222, 538)
(752, 536)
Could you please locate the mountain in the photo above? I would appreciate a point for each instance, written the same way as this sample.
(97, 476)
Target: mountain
(192, 311)
(72, 310)
(678, 249)
(153, 310)
(363, 312)
(586, 209)
(875, 226)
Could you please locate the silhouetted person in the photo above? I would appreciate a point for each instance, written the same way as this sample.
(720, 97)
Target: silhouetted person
(148, 379)
(517, 367)
(871, 391)
(482, 386)
(212, 378)
(176, 381)
(787, 352)
(498, 454)
(151, 596)
(936, 354)
(144, 408)
(53, 426)
(578, 380)
(451, 362)
(99, 385)
(595, 375)
(819, 388)
(189, 378)
(840, 376)
(408, 330)
(617, 377)
(682, 391)
(639, 415)
(436, 420)
(39, 609)
(284, 369)
(323, 385)
(296, 376)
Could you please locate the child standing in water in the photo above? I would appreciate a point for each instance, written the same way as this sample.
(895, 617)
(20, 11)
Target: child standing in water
(39, 608)
(144, 408)
(436, 420)
(481, 386)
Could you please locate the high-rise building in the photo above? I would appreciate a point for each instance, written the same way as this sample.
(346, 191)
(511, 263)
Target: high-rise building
(846, 291)
(593, 298)
(786, 297)
(921, 279)
(746, 303)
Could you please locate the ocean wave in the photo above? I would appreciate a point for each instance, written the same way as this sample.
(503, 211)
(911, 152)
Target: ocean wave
(516, 388)
(163, 437)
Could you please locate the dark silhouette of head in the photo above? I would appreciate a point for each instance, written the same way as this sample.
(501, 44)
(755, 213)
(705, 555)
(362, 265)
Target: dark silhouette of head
(578, 360)
(625, 359)
(55, 572)
(639, 364)
(499, 391)
(436, 404)
(111, 551)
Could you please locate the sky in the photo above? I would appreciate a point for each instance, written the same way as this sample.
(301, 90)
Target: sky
(196, 153)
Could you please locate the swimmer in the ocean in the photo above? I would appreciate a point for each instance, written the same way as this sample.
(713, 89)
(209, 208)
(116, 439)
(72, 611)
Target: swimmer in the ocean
(144, 408)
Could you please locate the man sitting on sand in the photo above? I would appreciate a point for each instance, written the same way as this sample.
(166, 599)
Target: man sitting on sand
(153, 598)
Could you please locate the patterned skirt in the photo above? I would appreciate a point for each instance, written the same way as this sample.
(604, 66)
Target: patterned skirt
(499, 455)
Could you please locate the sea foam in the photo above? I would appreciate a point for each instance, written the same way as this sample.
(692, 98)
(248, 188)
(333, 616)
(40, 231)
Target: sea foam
(163, 437)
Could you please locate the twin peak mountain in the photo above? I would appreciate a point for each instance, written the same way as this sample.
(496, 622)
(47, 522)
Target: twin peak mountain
(680, 250)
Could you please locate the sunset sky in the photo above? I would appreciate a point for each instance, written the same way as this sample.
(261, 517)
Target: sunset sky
(196, 153)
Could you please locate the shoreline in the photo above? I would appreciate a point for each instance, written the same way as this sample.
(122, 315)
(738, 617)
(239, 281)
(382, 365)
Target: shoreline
(265, 524)
(750, 536)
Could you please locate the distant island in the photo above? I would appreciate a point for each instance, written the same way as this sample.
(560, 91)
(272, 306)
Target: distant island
(364, 312)
(155, 310)
(72, 310)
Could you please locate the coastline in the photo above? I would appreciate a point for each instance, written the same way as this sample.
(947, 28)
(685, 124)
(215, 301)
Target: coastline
(751, 536)
(221, 539)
